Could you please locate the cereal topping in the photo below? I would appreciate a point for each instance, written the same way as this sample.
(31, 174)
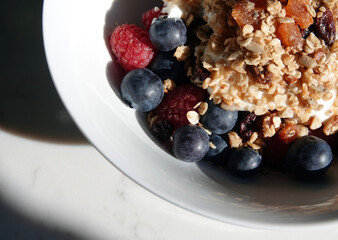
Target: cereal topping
(264, 57)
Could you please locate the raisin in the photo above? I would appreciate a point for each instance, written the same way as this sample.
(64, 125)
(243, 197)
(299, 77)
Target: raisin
(305, 32)
(248, 126)
(326, 27)
(288, 134)
(199, 74)
(261, 74)
(162, 130)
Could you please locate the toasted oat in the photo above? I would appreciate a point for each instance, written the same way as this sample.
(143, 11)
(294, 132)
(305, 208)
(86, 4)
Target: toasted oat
(152, 120)
(254, 145)
(253, 137)
(202, 109)
(193, 117)
(212, 145)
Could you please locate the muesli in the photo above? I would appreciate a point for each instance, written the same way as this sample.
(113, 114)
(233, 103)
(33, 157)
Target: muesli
(241, 80)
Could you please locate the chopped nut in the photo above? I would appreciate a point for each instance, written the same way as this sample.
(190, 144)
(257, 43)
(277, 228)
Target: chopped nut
(234, 140)
(268, 127)
(315, 123)
(168, 85)
(302, 131)
(276, 122)
(182, 53)
(331, 125)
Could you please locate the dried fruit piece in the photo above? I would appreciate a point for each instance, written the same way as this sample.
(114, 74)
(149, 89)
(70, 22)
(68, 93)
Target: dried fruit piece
(162, 129)
(248, 126)
(246, 12)
(297, 9)
(305, 32)
(261, 74)
(289, 34)
(326, 27)
(199, 74)
(288, 134)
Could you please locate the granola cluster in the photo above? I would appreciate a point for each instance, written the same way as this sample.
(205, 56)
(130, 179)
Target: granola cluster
(253, 68)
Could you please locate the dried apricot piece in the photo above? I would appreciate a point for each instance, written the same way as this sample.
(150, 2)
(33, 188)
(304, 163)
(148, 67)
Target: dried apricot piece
(289, 34)
(297, 10)
(246, 12)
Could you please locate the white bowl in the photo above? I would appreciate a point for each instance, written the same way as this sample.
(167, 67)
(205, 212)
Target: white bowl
(86, 77)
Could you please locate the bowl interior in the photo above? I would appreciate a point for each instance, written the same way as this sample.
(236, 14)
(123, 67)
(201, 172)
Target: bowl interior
(87, 77)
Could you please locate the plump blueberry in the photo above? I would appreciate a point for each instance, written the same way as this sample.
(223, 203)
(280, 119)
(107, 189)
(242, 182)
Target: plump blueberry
(165, 65)
(218, 120)
(244, 162)
(219, 145)
(168, 33)
(142, 89)
(308, 156)
(190, 143)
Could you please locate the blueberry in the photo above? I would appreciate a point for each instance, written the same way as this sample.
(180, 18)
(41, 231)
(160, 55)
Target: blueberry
(219, 145)
(308, 156)
(218, 120)
(168, 33)
(165, 65)
(244, 162)
(142, 89)
(190, 143)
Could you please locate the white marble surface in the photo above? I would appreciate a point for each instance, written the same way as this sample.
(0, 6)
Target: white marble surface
(53, 190)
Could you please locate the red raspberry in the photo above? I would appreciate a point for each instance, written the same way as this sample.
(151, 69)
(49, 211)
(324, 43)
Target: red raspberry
(131, 46)
(149, 15)
(178, 102)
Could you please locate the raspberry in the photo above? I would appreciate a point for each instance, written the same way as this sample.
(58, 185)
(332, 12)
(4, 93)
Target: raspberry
(131, 46)
(149, 15)
(177, 103)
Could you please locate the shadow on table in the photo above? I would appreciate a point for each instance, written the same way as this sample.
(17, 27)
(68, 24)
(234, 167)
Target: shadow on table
(15, 226)
(29, 105)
